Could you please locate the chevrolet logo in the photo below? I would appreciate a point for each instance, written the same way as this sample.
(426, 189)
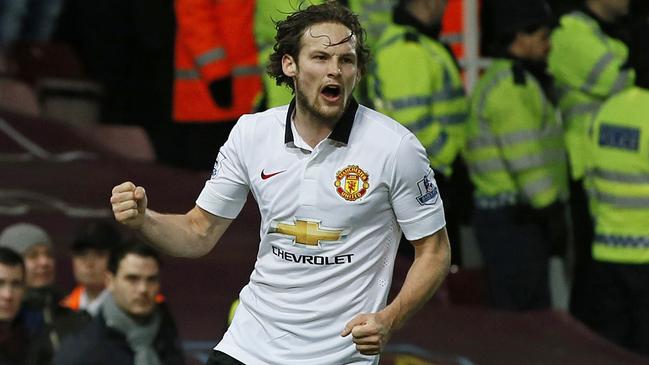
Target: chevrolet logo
(308, 232)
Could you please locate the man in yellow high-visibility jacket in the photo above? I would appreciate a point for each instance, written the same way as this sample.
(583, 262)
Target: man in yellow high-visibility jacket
(589, 64)
(618, 181)
(516, 159)
(415, 80)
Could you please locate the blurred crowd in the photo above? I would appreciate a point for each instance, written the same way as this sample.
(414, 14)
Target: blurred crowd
(547, 156)
(114, 315)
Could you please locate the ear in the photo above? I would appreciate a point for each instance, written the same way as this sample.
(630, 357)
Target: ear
(289, 66)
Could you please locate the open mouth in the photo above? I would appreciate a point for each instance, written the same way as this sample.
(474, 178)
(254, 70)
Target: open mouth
(331, 91)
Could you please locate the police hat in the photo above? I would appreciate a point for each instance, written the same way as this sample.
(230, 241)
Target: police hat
(511, 16)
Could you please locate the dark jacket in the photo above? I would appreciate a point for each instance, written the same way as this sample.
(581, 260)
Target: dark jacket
(98, 344)
(14, 343)
(47, 323)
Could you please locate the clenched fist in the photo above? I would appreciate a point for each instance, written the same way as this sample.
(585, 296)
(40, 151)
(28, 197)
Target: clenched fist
(370, 332)
(129, 204)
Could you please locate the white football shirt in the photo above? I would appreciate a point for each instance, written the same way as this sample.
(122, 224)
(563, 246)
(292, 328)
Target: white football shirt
(331, 220)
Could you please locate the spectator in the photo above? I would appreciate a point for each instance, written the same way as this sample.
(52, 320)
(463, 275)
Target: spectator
(90, 252)
(217, 76)
(14, 340)
(416, 81)
(589, 62)
(44, 317)
(132, 328)
(516, 159)
(618, 176)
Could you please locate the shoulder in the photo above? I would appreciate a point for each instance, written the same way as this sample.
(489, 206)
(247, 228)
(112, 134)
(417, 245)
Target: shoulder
(251, 128)
(269, 118)
(499, 74)
(630, 100)
(392, 34)
(576, 20)
(397, 39)
(167, 343)
(82, 346)
(68, 321)
(574, 24)
(377, 127)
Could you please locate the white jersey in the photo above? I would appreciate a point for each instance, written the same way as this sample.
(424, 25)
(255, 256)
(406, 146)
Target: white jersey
(331, 221)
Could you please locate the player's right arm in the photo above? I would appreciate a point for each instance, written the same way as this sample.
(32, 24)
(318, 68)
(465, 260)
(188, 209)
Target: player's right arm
(192, 234)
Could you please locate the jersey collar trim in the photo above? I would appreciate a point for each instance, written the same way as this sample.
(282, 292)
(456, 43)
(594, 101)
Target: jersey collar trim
(341, 131)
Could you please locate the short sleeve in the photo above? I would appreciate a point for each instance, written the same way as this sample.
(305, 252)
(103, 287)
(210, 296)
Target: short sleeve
(414, 194)
(225, 193)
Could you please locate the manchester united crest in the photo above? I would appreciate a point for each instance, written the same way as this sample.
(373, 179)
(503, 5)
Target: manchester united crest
(352, 183)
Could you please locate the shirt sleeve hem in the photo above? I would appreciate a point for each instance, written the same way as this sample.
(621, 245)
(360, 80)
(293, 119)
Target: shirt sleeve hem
(423, 227)
(219, 205)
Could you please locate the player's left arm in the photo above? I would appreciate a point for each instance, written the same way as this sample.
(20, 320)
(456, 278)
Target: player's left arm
(371, 331)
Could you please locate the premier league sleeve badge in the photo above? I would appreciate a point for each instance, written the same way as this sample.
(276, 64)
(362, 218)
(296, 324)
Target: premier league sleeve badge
(428, 194)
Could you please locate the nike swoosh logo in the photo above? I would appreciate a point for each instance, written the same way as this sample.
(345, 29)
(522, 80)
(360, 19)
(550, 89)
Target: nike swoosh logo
(268, 176)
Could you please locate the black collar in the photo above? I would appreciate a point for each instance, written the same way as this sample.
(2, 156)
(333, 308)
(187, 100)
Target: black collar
(340, 132)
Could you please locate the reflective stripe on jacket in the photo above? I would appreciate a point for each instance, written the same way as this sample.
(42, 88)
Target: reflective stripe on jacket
(414, 80)
(587, 66)
(618, 178)
(514, 147)
(214, 39)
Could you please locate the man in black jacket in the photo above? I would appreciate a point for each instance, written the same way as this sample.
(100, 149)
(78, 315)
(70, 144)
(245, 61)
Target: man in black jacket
(132, 327)
(14, 340)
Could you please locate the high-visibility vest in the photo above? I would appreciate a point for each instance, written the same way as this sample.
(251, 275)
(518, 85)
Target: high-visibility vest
(73, 300)
(618, 178)
(514, 149)
(374, 16)
(414, 80)
(587, 67)
(214, 39)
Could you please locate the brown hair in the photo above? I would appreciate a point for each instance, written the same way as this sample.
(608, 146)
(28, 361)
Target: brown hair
(290, 31)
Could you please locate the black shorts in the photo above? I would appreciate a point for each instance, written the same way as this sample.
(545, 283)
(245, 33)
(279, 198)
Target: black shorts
(220, 358)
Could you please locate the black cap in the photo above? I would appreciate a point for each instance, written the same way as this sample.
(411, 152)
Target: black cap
(511, 16)
(98, 236)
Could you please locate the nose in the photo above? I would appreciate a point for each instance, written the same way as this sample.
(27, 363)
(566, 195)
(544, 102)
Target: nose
(44, 260)
(141, 287)
(334, 69)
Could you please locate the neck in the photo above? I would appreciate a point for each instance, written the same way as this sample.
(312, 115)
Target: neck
(311, 128)
(600, 11)
(93, 292)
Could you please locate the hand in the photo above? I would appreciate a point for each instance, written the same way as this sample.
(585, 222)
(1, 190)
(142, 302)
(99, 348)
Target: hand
(129, 204)
(221, 91)
(370, 332)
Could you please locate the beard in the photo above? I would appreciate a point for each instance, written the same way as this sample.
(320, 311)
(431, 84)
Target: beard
(316, 111)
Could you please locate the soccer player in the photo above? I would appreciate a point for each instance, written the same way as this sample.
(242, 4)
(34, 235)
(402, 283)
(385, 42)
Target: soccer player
(336, 184)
